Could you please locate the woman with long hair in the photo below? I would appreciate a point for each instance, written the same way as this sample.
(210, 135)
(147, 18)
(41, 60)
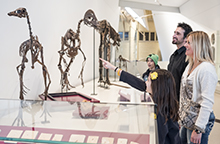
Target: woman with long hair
(161, 86)
(197, 90)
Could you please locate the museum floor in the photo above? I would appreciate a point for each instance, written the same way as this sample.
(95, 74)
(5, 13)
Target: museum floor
(111, 94)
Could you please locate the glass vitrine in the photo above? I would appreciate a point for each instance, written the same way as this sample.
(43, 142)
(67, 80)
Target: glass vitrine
(33, 121)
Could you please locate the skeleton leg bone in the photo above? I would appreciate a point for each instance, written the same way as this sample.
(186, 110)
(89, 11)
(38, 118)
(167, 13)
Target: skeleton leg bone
(45, 75)
(100, 63)
(20, 73)
(108, 59)
(83, 64)
(65, 76)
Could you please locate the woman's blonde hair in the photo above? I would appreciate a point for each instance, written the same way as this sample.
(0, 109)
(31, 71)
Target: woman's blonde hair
(202, 50)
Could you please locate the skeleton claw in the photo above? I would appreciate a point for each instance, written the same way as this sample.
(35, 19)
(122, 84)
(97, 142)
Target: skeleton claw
(25, 87)
(108, 82)
(104, 82)
(71, 86)
(100, 81)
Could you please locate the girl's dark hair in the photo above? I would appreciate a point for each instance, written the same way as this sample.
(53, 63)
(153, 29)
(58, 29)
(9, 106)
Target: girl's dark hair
(164, 94)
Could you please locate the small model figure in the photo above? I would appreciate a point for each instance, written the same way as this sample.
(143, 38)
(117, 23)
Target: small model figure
(36, 49)
(123, 61)
(70, 44)
(108, 36)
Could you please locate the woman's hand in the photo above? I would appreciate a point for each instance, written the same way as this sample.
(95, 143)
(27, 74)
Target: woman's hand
(196, 138)
(107, 64)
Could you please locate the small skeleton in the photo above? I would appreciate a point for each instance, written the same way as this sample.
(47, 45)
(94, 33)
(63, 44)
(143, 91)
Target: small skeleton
(123, 61)
(36, 49)
(70, 44)
(107, 35)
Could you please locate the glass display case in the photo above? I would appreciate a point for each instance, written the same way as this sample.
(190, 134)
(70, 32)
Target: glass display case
(33, 121)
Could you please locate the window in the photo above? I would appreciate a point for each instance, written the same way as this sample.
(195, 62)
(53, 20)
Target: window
(126, 36)
(140, 36)
(146, 36)
(121, 35)
(152, 35)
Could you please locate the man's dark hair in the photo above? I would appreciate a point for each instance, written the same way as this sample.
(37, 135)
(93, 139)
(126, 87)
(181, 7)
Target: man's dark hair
(186, 27)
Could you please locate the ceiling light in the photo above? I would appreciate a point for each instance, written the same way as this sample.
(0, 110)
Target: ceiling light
(135, 16)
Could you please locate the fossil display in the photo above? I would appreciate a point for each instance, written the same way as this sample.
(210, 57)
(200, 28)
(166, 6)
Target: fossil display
(122, 62)
(108, 36)
(70, 44)
(36, 50)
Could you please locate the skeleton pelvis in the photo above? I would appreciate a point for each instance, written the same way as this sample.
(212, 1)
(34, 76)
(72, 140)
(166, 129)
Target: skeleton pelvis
(72, 52)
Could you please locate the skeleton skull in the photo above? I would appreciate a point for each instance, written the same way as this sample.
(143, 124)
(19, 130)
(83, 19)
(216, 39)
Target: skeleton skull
(90, 19)
(20, 12)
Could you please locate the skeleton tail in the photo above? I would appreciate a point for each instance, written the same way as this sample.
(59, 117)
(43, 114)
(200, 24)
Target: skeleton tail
(25, 91)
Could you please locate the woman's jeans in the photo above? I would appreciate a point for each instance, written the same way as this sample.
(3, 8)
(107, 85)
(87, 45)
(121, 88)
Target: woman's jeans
(185, 134)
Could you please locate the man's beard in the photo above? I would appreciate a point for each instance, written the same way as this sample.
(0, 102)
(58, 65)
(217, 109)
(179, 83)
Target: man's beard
(174, 42)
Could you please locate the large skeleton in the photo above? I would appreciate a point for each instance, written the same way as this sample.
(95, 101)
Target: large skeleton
(108, 36)
(70, 44)
(36, 49)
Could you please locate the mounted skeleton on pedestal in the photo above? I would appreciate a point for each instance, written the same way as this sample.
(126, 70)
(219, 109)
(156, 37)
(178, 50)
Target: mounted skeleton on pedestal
(108, 36)
(70, 44)
(122, 62)
(36, 49)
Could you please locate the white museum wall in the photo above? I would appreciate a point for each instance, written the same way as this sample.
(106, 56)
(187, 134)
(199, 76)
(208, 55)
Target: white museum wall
(50, 19)
(166, 23)
(206, 13)
(203, 12)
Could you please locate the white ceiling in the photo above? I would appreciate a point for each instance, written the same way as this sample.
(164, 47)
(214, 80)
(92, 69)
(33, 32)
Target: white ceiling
(204, 12)
(172, 3)
(156, 5)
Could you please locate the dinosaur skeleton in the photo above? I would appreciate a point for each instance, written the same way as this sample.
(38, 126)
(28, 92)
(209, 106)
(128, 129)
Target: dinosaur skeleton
(108, 36)
(123, 61)
(36, 49)
(72, 43)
